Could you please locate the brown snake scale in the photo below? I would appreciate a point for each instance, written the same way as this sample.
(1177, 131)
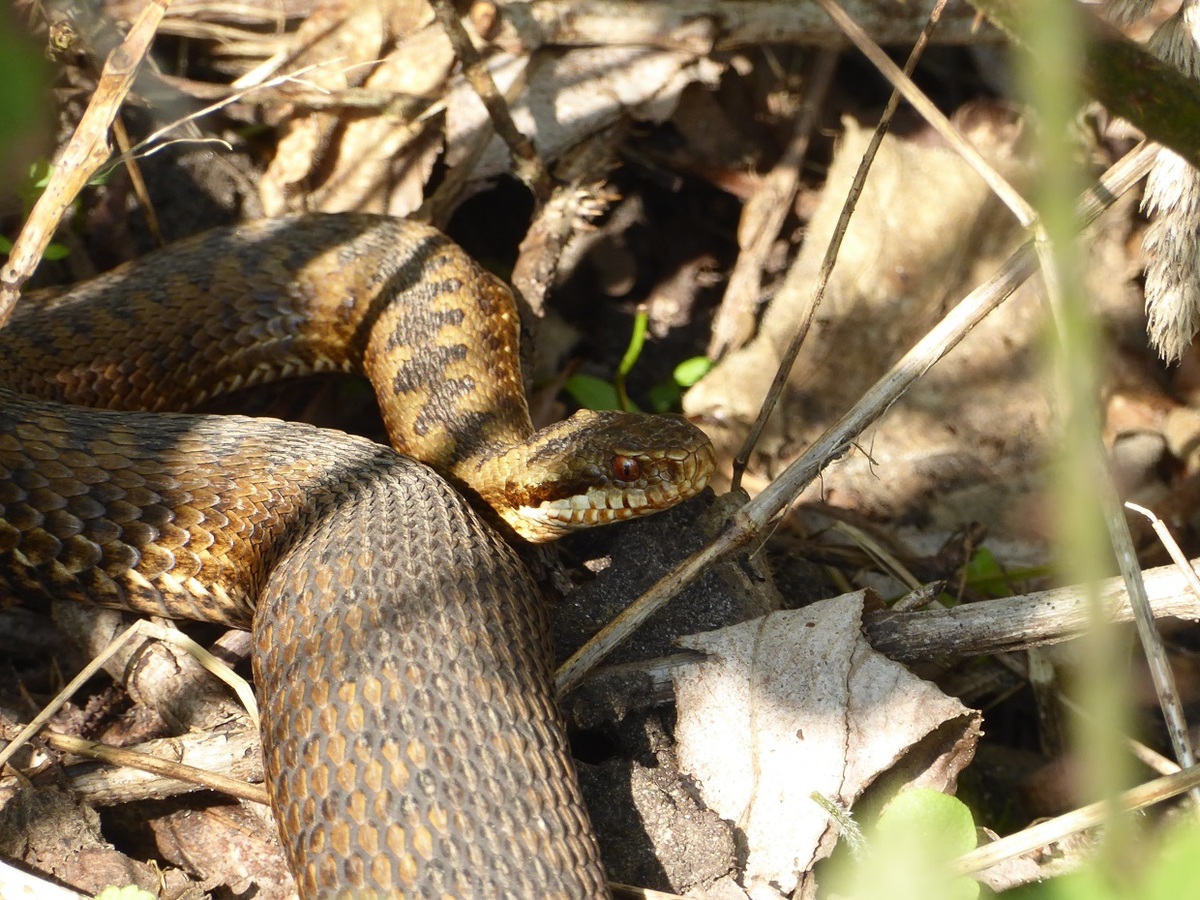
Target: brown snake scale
(411, 739)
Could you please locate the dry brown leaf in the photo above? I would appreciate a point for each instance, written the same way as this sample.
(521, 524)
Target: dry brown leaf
(336, 47)
(572, 96)
(797, 703)
(926, 231)
(382, 161)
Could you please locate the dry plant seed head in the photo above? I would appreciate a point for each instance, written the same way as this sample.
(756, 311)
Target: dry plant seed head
(1122, 12)
(1172, 200)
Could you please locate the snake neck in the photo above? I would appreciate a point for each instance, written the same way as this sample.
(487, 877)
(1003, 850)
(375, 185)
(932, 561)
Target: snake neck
(436, 334)
(444, 360)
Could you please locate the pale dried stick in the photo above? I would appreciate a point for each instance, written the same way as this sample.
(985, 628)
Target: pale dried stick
(1022, 621)
(745, 526)
(1090, 816)
(831, 253)
(527, 165)
(235, 753)
(15, 883)
(140, 628)
(165, 768)
(902, 83)
(764, 214)
(84, 154)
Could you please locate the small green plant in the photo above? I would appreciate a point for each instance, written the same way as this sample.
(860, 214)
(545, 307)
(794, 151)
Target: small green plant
(30, 188)
(907, 852)
(596, 393)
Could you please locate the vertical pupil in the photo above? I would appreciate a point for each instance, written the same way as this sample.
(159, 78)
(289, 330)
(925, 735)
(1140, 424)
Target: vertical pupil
(624, 468)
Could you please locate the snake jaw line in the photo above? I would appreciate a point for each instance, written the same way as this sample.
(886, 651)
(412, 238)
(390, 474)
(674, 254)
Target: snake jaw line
(579, 489)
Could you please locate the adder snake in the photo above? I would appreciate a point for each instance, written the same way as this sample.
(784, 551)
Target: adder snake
(411, 739)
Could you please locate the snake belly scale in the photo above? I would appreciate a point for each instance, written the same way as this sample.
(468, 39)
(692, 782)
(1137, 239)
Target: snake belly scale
(411, 739)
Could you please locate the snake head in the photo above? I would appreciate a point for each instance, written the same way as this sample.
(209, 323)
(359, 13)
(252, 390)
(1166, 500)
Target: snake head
(596, 468)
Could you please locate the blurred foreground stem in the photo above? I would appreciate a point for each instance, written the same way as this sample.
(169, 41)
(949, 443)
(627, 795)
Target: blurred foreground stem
(1051, 73)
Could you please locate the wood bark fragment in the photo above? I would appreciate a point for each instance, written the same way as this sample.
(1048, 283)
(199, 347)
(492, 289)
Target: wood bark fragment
(1017, 623)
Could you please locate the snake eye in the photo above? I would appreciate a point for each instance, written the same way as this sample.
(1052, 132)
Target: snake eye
(625, 469)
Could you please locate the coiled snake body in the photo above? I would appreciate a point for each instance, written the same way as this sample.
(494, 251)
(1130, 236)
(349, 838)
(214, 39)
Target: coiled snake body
(411, 739)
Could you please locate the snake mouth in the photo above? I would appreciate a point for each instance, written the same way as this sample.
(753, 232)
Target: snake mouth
(593, 497)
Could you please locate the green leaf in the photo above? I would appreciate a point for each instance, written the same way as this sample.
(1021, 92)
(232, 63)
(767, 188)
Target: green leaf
(928, 817)
(53, 251)
(637, 341)
(664, 397)
(39, 175)
(918, 832)
(692, 370)
(592, 393)
(985, 574)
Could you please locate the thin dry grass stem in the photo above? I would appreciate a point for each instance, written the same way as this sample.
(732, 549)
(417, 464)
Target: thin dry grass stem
(154, 142)
(883, 558)
(1161, 673)
(902, 83)
(1119, 538)
(764, 215)
(527, 164)
(138, 182)
(275, 61)
(145, 629)
(749, 522)
(86, 152)
(1170, 545)
(264, 69)
(1089, 816)
(831, 253)
(1149, 757)
(165, 768)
